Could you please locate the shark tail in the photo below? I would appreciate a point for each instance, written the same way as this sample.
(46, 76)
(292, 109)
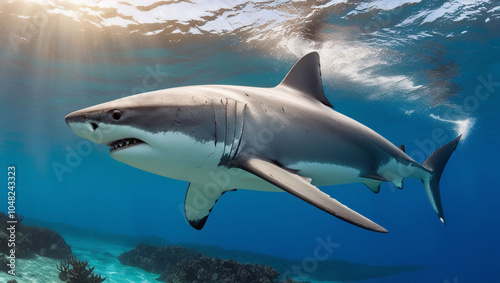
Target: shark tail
(436, 163)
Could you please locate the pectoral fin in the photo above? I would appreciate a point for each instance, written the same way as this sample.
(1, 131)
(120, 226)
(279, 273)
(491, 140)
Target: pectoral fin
(200, 200)
(297, 186)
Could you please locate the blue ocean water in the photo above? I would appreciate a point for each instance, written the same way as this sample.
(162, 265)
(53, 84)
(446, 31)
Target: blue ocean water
(418, 72)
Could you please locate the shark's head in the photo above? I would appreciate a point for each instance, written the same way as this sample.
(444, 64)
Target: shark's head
(151, 131)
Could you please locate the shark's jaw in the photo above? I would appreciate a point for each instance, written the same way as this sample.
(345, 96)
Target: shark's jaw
(168, 154)
(118, 138)
(123, 144)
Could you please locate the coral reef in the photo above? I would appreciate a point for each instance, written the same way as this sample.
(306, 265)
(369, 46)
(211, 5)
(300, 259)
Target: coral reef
(156, 259)
(31, 240)
(79, 272)
(49, 243)
(216, 270)
(183, 265)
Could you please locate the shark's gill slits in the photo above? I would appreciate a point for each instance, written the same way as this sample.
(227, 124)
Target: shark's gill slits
(124, 143)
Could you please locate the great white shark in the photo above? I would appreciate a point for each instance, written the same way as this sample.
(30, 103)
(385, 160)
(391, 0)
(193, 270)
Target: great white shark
(288, 138)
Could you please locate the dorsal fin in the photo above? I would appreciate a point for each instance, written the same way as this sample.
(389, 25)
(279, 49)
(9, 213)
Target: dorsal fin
(402, 147)
(305, 76)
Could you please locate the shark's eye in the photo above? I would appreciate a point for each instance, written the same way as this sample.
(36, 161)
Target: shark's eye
(116, 114)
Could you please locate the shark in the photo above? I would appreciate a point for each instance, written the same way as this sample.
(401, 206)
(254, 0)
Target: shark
(287, 138)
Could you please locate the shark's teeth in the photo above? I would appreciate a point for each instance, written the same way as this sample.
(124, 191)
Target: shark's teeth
(124, 143)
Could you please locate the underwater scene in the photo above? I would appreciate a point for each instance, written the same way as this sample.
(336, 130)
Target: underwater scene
(357, 141)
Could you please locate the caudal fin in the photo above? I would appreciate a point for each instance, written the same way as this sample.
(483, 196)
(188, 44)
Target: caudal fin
(436, 162)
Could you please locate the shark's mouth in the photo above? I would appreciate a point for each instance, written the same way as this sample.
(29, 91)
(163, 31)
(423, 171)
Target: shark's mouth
(124, 143)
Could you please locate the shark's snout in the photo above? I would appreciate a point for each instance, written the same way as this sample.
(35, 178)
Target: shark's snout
(80, 117)
(89, 125)
(76, 117)
(81, 123)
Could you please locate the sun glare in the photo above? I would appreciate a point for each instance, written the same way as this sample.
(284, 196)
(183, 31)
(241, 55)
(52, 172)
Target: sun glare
(462, 127)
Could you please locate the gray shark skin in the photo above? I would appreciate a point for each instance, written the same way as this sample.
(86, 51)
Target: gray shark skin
(288, 138)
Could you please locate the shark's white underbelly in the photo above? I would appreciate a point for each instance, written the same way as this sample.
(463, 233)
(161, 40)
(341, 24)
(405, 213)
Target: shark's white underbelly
(320, 175)
(324, 174)
(201, 164)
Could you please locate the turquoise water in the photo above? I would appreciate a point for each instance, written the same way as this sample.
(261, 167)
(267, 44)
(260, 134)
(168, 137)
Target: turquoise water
(406, 70)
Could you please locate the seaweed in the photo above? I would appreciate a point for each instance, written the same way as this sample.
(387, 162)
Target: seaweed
(79, 272)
